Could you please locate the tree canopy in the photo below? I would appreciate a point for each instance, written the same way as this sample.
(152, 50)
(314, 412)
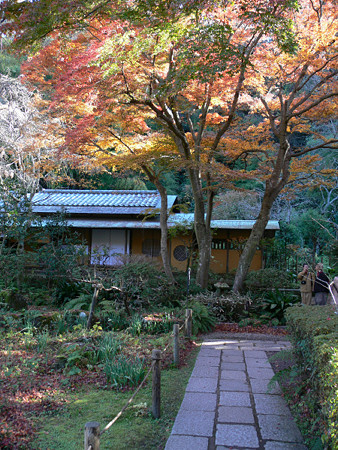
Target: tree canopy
(226, 90)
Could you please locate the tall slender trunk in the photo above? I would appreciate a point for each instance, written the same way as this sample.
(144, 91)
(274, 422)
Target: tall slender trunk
(253, 241)
(164, 232)
(92, 307)
(163, 222)
(202, 230)
(274, 185)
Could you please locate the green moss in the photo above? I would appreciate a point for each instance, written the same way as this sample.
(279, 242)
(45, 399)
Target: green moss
(135, 429)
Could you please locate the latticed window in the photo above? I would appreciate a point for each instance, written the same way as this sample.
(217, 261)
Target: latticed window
(181, 253)
(151, 247)
(219, 244)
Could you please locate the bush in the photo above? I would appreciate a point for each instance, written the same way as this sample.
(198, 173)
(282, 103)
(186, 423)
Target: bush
(14, 300)
(314, 334)
(154, 323)
(267, 278)
(144, 285)
(66, 291)
(273, 306)
(113, 320)
(225, 308)
(202, 320)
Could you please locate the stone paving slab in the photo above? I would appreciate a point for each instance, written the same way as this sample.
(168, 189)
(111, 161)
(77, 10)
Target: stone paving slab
(275, 348)
(209, 351)
(258, 362)
(246, 347)
(273, 445)
(232, 366)
(262, 386)
(199, 401)
(261, 373)
(266, 403)
(202, 384)
(228, 352)
(206, 361)
(233, 375)
(241, 435)
(234, 385)
(234, 399)
(200, 423)
(235, 414)
(279, 428)
(239, 358)
(205, 371)
(255, 354)
(176, 442)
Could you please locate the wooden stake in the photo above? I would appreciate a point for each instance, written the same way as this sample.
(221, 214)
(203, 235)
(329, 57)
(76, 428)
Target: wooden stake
(156, 395)
(176, 345)
(92, 436)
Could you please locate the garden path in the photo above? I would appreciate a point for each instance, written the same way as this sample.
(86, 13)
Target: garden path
(227, 403)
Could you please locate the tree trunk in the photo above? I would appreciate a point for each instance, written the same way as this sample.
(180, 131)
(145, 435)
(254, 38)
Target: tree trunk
(255, 237)
(92, 307)
(202, 231)
(274, 185)
(163, 222)
(164, 233)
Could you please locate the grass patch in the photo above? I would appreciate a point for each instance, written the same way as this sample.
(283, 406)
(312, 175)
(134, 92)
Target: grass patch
(135, 429)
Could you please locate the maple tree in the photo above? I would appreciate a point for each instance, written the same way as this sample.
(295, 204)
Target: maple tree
(295, 91)
(124, 71)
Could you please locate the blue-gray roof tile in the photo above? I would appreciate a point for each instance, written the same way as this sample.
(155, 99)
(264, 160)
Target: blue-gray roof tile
(100, 202)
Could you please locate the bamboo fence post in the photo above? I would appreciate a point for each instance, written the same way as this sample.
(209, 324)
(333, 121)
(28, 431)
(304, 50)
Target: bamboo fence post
(188, 322)
(92, 436)
(176, 344)
(156, 394)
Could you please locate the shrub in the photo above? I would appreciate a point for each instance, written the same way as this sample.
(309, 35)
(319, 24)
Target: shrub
(273, 306)
(144, 285)
(225, 308)
(202, 320)
(151, 324)
(81, 302)
(66, 291)
(113, 320)
(157, 323)
(314, 334)
(13, 299)
(265, 278)
(73, 358)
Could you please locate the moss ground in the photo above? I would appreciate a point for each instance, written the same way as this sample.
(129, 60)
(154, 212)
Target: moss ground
(135, 429)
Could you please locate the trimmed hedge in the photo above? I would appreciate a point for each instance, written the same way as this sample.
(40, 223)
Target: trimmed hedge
(314, 333)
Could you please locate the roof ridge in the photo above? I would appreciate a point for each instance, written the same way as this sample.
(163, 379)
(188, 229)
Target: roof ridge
(98, 191)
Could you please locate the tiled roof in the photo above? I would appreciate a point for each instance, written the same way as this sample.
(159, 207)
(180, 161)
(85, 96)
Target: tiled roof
(188, 220)
(97, 202)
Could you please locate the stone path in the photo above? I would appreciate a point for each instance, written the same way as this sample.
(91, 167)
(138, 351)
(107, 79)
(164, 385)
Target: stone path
(227, 404)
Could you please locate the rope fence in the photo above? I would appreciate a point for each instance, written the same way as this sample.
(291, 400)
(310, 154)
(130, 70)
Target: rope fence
(92, 431)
